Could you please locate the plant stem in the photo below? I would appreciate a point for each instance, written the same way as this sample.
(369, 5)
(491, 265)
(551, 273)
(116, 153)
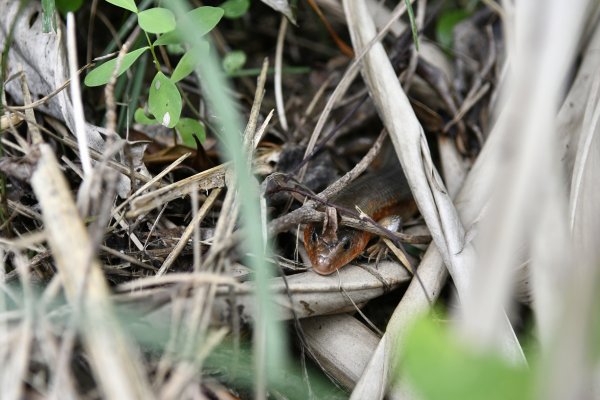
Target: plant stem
(156, 63)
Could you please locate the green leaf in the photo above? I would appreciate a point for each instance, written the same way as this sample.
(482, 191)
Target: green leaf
(233, 61)
(164, 100)
(156, 20)
(101, 74)
(204, 20)
(169, 38)
(190, 61)
(235, 8)
(442, 368)
(141, 118)
(175, 49)
(445, 26)
(126, 4)
(188, 128)
(65, 6)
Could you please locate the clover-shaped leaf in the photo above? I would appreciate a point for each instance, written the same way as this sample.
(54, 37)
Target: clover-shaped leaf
(141, 118)
(156, 20)
(102, 74)
(188, 128)
(190, 61)
(233, 61)
(126, 4)
(235, 8)
(204, 19)
(164, 100)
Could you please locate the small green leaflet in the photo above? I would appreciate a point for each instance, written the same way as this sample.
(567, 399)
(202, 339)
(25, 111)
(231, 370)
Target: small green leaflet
(168, 38)
(175, 49)
(164, 100)
(189, 61)
(233, 61)
(101, 74)
(445, 26)
(441, 367)
(188, 128)
(126, 4)
(204, 19)
(156, 20)
(141, 118)
(235, 8)
(64, 6)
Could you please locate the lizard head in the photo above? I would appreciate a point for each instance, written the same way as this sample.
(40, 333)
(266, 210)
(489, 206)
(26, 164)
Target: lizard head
(329, 251)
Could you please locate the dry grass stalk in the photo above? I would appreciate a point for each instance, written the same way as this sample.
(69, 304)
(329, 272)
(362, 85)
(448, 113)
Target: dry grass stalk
(524, 157)
(114, 358)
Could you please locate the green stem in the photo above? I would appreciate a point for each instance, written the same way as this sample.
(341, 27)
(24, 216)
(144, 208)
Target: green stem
(126, 27)
(156, 63)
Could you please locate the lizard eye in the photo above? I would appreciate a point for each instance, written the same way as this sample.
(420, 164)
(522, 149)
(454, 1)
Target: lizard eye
(314, 237)
(346, 245)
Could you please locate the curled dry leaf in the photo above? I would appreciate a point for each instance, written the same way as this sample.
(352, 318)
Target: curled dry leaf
(283, 6)
(312, 294)
(315, 294)
(329, 338)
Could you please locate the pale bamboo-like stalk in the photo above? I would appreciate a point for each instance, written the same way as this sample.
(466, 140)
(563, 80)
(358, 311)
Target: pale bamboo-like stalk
(75, 87)
(410, 144)
(548, 263)
(278, 73)
(539, 56)
(568, 332)
(114, 359)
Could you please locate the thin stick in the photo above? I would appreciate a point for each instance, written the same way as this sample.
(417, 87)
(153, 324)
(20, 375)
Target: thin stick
(189, 230)
(78, 115)
(295, 217)
(348, 78)
(278, 62)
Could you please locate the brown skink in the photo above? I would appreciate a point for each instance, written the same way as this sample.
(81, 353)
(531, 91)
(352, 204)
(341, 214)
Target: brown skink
(379, 194)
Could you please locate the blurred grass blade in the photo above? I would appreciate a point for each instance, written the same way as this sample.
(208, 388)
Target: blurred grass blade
(413, 23)
(521, 180)
(215, 86)
(49, 8)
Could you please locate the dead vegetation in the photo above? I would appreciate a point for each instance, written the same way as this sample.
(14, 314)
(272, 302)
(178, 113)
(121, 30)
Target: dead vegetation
(135, 266)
